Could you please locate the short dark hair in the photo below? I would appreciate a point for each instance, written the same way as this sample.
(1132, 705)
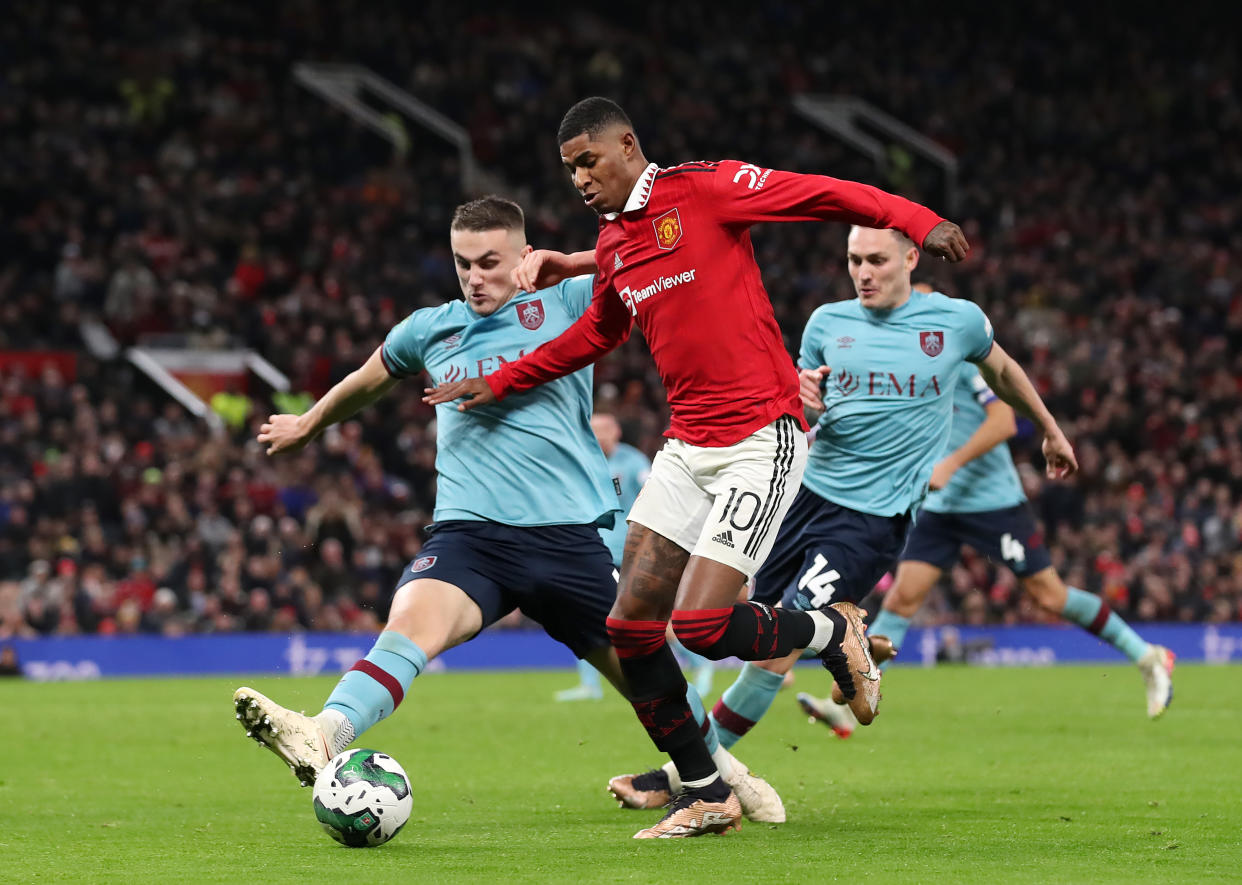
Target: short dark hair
(592, 116)
(488, 213)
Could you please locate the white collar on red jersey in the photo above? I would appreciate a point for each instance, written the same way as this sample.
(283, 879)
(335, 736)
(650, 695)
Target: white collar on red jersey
(638, 196)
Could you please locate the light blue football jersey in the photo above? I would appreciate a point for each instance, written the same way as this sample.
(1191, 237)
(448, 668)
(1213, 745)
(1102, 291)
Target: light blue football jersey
(531, 459)
(629, 468)
(889, 398)
(989, 482)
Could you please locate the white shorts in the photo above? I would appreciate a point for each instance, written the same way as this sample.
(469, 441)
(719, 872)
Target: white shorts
(725, 504)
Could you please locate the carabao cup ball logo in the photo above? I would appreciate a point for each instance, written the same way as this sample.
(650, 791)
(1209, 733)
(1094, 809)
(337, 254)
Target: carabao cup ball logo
(668, 229)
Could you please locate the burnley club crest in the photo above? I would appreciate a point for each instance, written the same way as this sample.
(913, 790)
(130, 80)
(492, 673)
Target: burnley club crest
(931, 342)
(530, 314)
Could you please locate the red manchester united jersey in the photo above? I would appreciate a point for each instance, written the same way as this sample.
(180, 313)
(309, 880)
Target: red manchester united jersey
(678, 261)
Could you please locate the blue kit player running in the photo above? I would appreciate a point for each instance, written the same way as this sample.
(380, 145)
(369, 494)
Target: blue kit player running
(882, 371)
(977, 499)
(522, 488)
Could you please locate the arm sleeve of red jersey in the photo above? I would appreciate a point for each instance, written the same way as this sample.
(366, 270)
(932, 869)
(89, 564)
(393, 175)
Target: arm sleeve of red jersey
(602, 328)
(748, 194)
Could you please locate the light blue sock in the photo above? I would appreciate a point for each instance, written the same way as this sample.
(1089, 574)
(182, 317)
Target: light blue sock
(1090, 612)
(588, 676)
(744, 703)
(892, 625)
(695, 700)
(374, 686)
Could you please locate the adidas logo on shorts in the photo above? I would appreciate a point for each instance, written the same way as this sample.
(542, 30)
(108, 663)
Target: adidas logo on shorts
(725, 537)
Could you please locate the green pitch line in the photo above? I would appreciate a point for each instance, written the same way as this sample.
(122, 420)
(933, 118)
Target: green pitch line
(968, 775)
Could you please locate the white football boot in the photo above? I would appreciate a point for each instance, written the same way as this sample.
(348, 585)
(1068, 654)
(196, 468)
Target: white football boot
(299, 740)
(759, 800)
(1156, 665)
(836, 716)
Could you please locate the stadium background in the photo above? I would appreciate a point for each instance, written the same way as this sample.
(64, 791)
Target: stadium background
(164, 174)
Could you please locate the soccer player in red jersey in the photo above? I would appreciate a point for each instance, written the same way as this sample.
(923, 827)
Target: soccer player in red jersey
(674, 256)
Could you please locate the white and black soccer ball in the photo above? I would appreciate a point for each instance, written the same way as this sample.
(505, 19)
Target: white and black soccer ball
(362, 798)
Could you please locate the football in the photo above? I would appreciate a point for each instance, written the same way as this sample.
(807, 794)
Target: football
(362, 798)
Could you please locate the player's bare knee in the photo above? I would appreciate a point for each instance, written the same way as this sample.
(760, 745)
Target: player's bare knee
(708, 584)
(640, 601)
(901, 603)
(1047, 589)
(434, 614)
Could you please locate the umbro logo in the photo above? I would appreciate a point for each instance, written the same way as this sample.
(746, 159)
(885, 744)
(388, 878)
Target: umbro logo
(725, 537)
(617, 264)
(844, 341)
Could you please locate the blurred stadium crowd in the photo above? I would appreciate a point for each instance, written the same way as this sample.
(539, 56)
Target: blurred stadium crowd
(161, 171)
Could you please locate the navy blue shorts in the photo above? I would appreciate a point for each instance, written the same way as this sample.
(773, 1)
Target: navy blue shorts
(1007, 536)
(561, 576)
(826, 553)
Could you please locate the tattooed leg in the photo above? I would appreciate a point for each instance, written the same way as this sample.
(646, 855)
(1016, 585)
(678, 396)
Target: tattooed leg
(651, 569)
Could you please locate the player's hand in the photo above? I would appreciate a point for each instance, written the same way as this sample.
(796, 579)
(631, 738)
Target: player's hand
(475, 391)
(947, 241)
(1060, 456)
(941, 474)
(809, 381)
(283, 434)
(540, 269)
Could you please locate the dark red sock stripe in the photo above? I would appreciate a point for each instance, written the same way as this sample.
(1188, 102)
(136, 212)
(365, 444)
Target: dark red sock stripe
(702, 627)
(739, 725)
(633, 639)
(384, 678)
(1101, 618)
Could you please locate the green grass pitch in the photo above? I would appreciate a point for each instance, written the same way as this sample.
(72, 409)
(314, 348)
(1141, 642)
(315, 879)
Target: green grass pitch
(970, 775)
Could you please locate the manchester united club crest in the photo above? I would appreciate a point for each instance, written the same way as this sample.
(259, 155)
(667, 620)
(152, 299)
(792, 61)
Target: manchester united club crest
(530, 314)
(422, 563)
(668, 229)
(931, 342)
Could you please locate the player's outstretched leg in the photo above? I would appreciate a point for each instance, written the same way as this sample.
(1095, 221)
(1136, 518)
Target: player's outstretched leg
(427, 617)
(588, 687)
(368, 692)
(1089, 611)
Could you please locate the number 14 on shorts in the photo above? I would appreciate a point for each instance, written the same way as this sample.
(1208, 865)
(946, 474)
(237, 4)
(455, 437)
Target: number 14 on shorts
(817, 584)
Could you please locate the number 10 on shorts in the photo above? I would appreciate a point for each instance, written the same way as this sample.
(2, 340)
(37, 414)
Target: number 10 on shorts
(819, 582)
